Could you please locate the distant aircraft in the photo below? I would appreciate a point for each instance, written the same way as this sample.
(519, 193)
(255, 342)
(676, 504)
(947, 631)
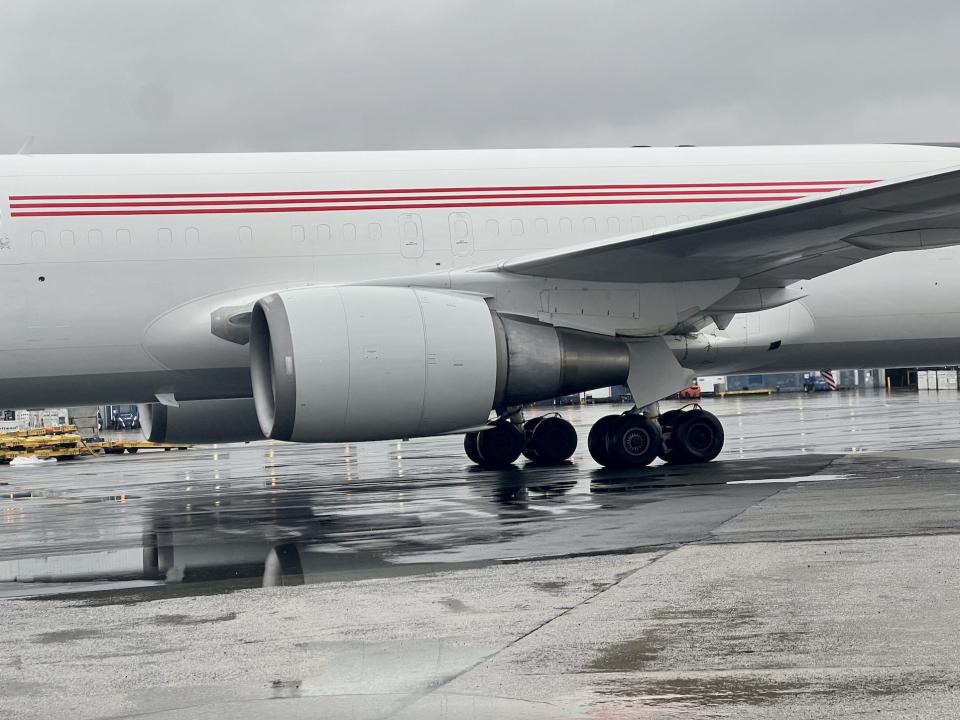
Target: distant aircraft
(331, 297)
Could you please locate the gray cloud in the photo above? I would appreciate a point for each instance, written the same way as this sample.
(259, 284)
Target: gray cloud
(192, 75)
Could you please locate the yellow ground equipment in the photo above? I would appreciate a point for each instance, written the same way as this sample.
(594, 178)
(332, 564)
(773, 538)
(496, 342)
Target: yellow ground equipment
(734, 393)
(63, 442)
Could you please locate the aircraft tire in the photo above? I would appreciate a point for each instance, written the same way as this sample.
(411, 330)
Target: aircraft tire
(668, 421)
(597, 439)
(549, 440)
(470, 447)
(500, 446)
(697, 437)
(634, 441)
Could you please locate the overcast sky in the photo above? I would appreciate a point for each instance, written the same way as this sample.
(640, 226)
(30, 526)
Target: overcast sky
(197, 75)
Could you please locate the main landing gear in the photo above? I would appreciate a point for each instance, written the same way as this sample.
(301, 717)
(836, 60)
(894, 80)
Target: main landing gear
(544, 440)
(633, 439)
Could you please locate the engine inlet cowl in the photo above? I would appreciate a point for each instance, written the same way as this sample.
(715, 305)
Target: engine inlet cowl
(333, 364)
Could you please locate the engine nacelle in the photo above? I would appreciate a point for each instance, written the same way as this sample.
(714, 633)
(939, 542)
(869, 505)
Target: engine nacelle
(335, 364)
(201, 421)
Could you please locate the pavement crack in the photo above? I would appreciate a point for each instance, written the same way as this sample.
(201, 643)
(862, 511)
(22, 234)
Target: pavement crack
(446, 680)
(711, 534)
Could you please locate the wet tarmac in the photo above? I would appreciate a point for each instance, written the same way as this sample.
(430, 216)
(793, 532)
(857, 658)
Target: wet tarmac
(812, 571)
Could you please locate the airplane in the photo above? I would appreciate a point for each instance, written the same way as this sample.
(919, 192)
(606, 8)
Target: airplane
(352, 296)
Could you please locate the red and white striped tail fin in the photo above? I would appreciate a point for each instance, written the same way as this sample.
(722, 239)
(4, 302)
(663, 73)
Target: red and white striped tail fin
(827, 375)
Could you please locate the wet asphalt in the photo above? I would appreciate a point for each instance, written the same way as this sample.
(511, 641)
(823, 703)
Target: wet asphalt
(812, 569)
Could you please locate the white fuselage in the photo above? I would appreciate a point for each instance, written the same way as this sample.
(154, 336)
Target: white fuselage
(96, 251)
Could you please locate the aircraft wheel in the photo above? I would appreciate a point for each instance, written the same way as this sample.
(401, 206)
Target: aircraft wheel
(549, 440)
(470, 447)
(668, 421)
(500, 446)
(634, 441)
(697, 437)
(597, 439)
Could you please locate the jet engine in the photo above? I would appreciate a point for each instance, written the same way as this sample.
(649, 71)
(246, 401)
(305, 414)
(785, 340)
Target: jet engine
(201, 421)
(336, 364)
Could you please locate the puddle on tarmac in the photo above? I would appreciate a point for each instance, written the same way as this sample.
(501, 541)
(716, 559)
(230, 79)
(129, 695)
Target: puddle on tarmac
(629, 656)
(730, 690)
(755, 689)
(551, 585)
(455, 605)
(702, 614)
(61, 636)
(286, 688)
(190, 620)
(793, 479)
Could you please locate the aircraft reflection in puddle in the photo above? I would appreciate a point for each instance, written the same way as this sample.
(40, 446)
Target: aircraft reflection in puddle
(295, 537)
(290, 531)
(291, 537)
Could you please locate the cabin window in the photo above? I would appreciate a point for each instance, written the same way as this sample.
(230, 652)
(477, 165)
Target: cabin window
(349, 233)
(323, 233)
(124, 238)
(95, 239)
(191, 237)
(566, 226)
(298, 234)
(516, 227)
(636, 223)
(38, 239)
(67, 238)
(683, 218)
(613, 225)
(374, 232)
(165, 237)
(540, 224)
(493, 228)
(590, 226)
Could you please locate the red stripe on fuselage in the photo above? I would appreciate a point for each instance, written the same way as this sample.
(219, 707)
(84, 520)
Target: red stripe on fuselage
(773, 185)
(410, 206)
(419, 198)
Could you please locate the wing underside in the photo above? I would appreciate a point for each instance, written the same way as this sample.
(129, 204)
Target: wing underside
(773, 246)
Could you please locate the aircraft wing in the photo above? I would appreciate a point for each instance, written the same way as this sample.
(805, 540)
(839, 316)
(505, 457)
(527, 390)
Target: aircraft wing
(773, 246)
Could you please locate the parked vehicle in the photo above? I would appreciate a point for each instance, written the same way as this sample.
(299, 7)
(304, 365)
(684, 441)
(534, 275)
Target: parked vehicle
(126, 417)
(815, 384)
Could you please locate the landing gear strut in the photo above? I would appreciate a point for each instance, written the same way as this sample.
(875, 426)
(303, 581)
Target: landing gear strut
(677, 436)
(546, 440)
